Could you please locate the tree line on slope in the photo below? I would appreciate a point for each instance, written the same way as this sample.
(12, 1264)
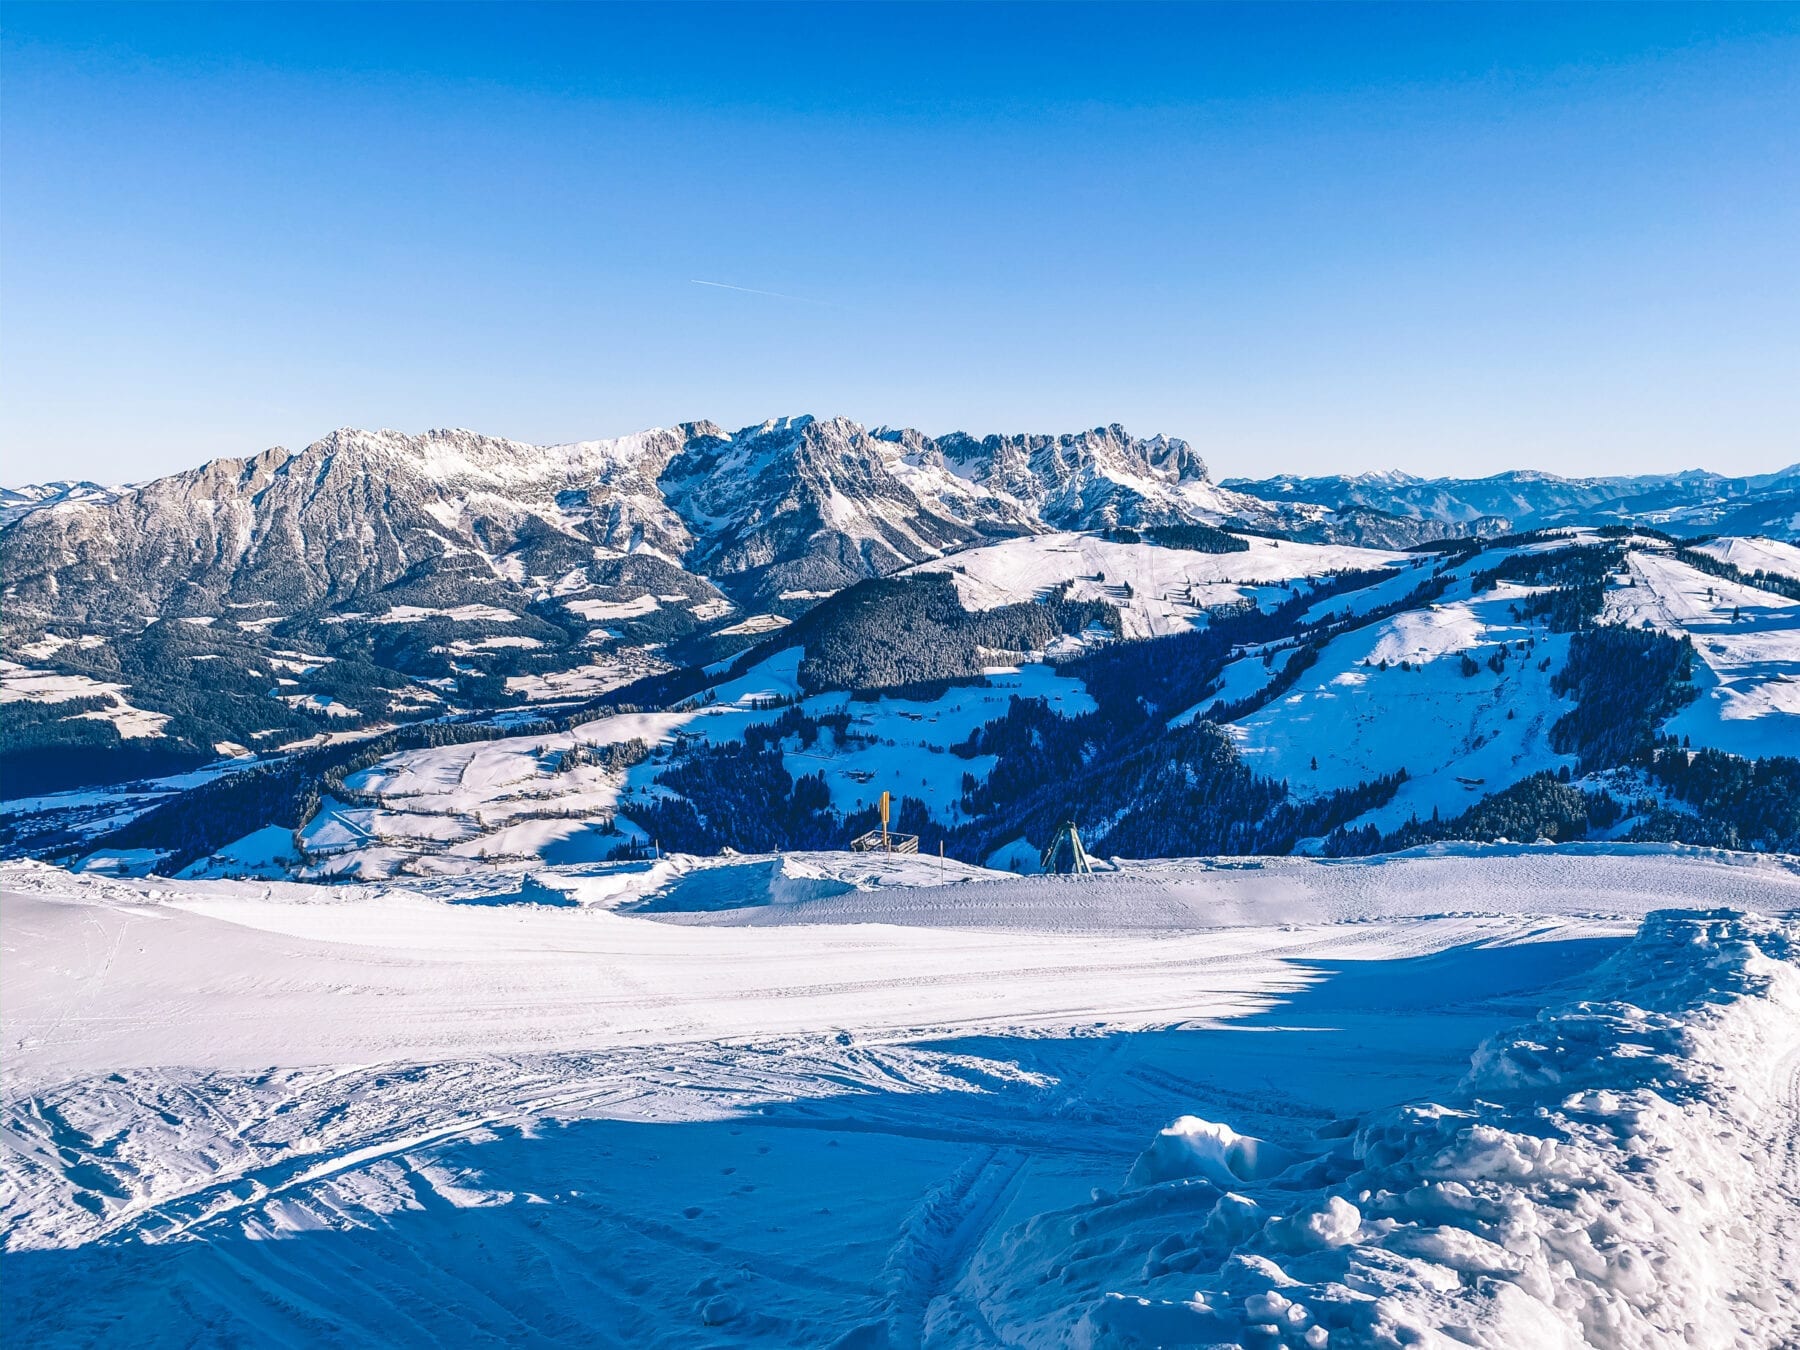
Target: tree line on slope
(214, 683)
(1542, 806)
(1194, 538)
(1164, 675)
(1626, 682)
(1173, 791)
(912, 632)
(739, 794)
(1575, 575)
(1737, 802)
(911, 635)
(1761, 579)
(896, 635)
(52, 747)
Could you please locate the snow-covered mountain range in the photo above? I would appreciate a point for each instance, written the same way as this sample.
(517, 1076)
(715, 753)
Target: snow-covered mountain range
(790, 505)
(580, 734)
(19, 501)
(741, 638)
(1692, 501)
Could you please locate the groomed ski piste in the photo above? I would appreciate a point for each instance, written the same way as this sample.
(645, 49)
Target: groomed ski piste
(1503, 1096)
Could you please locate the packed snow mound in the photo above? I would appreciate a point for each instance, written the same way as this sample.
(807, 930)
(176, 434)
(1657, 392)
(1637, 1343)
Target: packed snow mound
(1618, 1173)
(1192, 1147)
(684, 884)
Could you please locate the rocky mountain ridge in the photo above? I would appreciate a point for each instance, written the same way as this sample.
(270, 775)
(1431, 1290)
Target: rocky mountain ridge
(775, 514)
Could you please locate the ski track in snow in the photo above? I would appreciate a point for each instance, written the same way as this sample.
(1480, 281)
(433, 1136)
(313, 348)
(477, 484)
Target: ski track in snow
(284, 1114)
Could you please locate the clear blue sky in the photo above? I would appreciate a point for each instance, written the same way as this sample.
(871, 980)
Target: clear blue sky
(1446, 239)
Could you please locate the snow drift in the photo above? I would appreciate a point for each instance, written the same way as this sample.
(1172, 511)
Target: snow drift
(1620, 1172)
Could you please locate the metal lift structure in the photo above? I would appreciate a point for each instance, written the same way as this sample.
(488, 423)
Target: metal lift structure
(884, 840)
(1066, 844)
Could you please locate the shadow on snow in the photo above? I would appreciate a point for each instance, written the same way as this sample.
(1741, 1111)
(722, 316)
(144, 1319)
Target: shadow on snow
(828, 1220)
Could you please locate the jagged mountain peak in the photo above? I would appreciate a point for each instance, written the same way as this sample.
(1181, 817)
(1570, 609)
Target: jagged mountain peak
(778, 426)
(453, 454)
(778, 511)
(1108, 446)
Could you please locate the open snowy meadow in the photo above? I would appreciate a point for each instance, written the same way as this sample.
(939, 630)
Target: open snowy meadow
(1500, 1096)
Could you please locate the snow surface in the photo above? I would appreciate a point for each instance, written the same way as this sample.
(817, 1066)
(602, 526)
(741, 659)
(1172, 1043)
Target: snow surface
(464, 647)
(1157, 590)
(336, 737)
(755, 624)
(1459, 737)
(322, 704)
(1748, 642)
(461, 778)
(471, 613)
(902, 745)
(601, 675)
(863, 1109)
(1595, 1179)
(603, 610)
(22, 684)
(268, 852)
(51, 643)
(1753, 554)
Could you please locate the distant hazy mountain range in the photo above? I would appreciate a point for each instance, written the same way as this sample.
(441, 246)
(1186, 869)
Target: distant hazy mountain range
(1691, 502)
(19, 501)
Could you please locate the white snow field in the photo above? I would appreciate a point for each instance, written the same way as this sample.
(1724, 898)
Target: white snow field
(1748, 641)
(1755, 554)
(837, 1100)
(23, 684)
(1157, 590)
(459, 808)
(1359, 713)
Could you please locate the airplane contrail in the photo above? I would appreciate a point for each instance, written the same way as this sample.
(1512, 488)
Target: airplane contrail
(751, 290)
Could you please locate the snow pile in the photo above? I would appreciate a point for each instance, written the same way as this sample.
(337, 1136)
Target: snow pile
(1193, 1147)
(1619, 1173)
(684, 884)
